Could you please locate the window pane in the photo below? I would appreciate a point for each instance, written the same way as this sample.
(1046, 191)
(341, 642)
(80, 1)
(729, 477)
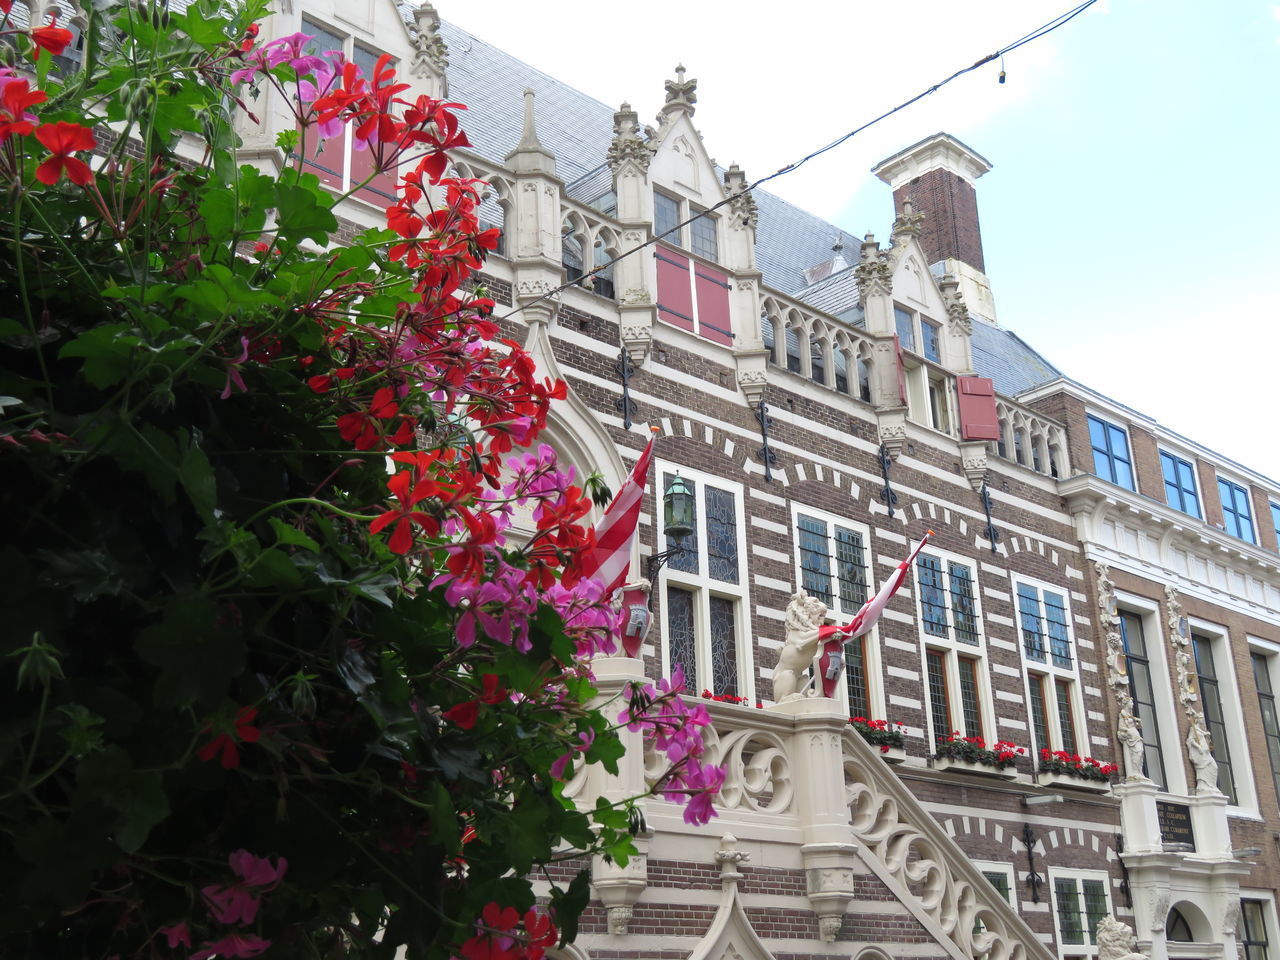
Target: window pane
(1095, 905)
(905, 327)
(929, 334)
(1270, 720)
(680, 643)
(842, 370)
(722, 535)
(815, 561)
(962, 612)
(1254, 936)
(1066, 718)
(688, 560)
(703, 231)
(1110, 453)
(933, 604)
(793, 350)
(1055, 615)
(855, 672)
(767, 336)
(939, 711)
(666, 214)
(1029, 614)
(1039, 719)
(851, 570)
(1275, 519)
(1211, 698)
(1140, 689)
(322, 40)
(1236, 514)
(724, 647)
(1070, 922)
(1000, 881)
(969, 703)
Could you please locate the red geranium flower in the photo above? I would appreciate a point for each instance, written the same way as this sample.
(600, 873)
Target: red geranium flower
(225, 743)
(64, 139)
(14, 100)
(52, 38)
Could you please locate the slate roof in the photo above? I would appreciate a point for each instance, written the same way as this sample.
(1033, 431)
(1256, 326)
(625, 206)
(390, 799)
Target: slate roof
(578, 129)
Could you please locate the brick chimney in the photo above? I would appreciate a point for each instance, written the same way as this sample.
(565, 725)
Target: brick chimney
(937, 175)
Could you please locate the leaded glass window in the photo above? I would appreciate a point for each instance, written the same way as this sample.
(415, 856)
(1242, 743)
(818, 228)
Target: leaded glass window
(666, 214)
(904, 322)
(1043, 616)
(815, 561)
(1066, 896)
(687, 561)
(929, 333)
(680, 638)
(832, 563)
(939, 709)
(722, 535)
(724, 647)
(933, 604)
(1029, 613)
(969, 698)
(1066, 721)
(703, 233)
(962, 612)
(855, 676)
(1039, 719)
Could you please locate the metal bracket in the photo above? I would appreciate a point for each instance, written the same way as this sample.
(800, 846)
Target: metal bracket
(1034, 880)
(991, 532)
(766, 454)
(887, 496)
(624, 368)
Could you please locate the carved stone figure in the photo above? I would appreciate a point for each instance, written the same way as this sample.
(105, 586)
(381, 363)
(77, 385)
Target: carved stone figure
(1130, 736)
(804, 616)
(632, 604)
(1116, 941)
(1201, 754)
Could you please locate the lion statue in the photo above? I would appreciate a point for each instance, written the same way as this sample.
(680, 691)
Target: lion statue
(1116, 941)
(804, 616)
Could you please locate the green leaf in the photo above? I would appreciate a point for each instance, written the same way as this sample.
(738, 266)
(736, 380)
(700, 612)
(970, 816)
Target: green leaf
(197, 651)
(196, 474)
(291, 536)
(108, 777)
(303, 213)
(107, 351)
(274, 568)
(89, 573)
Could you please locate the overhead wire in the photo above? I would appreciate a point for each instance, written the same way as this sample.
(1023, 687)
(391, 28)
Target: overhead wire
(1040, 31)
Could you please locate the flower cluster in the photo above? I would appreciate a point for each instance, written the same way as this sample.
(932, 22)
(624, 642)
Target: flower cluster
(1072, 764)
(499, 935)
(233, 904)
(728, 698)
(880, 733)
(675, 728)
(1000, 754)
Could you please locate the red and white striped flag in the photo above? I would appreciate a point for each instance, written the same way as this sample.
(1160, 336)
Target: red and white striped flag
(615, 532)
(834, 637)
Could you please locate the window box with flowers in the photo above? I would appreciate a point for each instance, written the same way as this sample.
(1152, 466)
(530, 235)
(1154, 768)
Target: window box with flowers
(972, 755)
(887, 737)
(728, 698)
(1058, 768)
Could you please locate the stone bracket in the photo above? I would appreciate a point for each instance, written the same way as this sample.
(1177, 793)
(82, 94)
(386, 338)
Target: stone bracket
(973, 460)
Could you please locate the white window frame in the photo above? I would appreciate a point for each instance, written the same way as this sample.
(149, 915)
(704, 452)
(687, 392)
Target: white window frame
(1271, 651)
(1074, 950)
(1268, 916)
(1164, 448)
(954, 648)
(1246, 804)
(871, 640)
(704, 586)
(1153, 632)
(682, 239)
(1052, 672)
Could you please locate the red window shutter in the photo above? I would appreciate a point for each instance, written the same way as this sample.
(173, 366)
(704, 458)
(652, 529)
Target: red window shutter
(675, 296)
(978, 419)
(902, 370)
(712, 288)
(381, 190)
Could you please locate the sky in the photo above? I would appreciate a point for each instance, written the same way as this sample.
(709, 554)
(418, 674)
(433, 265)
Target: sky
(1129, 222)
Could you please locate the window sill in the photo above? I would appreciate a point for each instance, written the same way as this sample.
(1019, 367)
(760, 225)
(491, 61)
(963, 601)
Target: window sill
(966, 766)
(1073, 783)
(892, 754)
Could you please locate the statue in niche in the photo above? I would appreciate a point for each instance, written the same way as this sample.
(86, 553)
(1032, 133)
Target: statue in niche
(1116, 941)
(804, 616)
(1201, 753)
(1130, 737)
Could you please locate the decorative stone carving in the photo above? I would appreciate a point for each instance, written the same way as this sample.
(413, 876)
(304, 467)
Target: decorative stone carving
(752, 383)
(731, 936)
(628, 145)
(957, 312)
(619, 919)
(1130, 736)
(1201, 755)
(1128, 727)
(804, 616)
(729, 856)
(1199, 743)
(907, 224)
(533, 288)
(743, 206)
(637, 339)
(681, 96)
(1231, 914)
(1116, 941)
(893, 432)
(757, 771)
(1159, 904)
(746, 284)
(431, 56)
(873, 273)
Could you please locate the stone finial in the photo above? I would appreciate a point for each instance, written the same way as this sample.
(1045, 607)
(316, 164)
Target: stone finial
(729, 856)
(530, 156)
(628, 143)
(681, 96)
(908, 223)
(873, 273)
(743, 205)
(431, 56)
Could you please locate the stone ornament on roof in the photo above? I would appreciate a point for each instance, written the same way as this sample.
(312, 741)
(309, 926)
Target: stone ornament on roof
(742, 207)
(874, 273)
(953, 300)
(681, 96)
(629, 145)
(432, 56)
(907, 224)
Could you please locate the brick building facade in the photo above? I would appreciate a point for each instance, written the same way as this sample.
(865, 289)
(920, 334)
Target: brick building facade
(826, 413)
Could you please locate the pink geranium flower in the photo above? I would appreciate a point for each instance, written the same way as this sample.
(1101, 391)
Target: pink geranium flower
(238, 902)
(232, 945)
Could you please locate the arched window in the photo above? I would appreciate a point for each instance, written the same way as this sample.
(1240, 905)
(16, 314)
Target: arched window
(817, 362)
(793, 349)
(768, 336)
(1176, 928)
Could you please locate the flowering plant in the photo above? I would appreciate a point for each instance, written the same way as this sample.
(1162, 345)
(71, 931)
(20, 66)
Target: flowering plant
(1072, 764)
(276, 676)
(880, 733)
(1000, 754)
(727, 698)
